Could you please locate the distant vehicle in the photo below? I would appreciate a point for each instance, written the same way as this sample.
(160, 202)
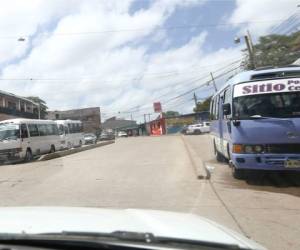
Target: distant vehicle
(106, 136)
(183, 130)
(22, 139)
(256, 121)
(71, 133)
(90, 138)
(197, 129)
(122, 134)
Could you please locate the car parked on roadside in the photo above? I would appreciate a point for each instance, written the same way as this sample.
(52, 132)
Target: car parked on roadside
(90, 138)
(197, 129)
(122, 134)
(106, 136)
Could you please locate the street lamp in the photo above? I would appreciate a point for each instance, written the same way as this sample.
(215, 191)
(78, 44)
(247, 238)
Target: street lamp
(21, 39)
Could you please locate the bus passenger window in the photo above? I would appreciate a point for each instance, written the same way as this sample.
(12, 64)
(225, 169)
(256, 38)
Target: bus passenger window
(33, 130)
(61, 129)
(66, 130)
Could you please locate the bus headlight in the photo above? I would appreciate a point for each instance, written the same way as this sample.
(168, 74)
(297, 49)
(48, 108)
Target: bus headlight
(247, 149)
(258, 148)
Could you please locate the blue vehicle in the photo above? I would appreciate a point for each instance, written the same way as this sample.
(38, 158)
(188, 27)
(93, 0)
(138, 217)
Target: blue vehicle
(255, 121)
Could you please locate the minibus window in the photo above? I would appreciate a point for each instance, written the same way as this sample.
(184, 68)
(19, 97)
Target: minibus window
(33, 130)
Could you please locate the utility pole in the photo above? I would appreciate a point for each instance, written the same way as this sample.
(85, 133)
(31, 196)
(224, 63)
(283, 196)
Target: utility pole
(250, 48)
(249, 44)
(213, 81)
(145, 119)
(131, 117)
(195, 100)
(149, 117)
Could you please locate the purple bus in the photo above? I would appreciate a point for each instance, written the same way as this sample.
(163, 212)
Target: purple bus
(256, 121)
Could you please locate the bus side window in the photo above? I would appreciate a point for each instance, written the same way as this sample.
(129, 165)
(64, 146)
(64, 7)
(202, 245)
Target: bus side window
(70, 126)
(66, 129)
(24, 132)
(61, 129)
(33, 130)
(42, 129)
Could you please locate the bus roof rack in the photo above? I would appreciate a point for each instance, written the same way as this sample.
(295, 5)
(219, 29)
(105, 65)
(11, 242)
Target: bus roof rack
(264, 67)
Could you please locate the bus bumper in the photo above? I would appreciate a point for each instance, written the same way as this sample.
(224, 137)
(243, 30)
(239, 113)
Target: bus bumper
(267, 161)
(10, 156)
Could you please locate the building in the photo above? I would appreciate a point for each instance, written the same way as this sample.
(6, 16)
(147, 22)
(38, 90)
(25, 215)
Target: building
(172, 125)
(13, 106)
(90, 118)
(116, 125)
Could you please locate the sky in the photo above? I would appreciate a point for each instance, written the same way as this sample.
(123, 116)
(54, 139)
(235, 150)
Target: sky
(123, 55)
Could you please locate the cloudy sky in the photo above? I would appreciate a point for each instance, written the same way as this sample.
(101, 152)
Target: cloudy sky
(122, 55)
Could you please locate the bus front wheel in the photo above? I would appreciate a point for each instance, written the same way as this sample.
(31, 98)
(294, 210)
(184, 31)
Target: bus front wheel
(238, 174)
(219, 156)
(28, 155)
(52, 150)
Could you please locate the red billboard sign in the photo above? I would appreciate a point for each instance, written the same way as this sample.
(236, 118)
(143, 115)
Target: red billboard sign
(157, 107)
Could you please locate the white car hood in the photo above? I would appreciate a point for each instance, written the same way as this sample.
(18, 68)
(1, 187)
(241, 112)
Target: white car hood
(33, 220)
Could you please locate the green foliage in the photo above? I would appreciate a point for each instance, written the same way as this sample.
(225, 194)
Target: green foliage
(170, 113)
(42, 103)
(203, 106)
(276, 50)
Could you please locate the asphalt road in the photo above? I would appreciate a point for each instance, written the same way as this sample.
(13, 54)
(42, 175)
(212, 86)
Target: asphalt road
(157, 173)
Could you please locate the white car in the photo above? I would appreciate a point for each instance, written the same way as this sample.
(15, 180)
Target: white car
(122, 134)
(91, 228)
(200, 128)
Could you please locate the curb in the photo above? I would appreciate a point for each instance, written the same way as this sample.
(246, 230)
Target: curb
(59, 154)
(200, 168)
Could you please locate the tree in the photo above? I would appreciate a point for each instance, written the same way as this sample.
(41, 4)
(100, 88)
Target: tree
(275, 50)
(170, 113)
(42, 104)
(203, 106)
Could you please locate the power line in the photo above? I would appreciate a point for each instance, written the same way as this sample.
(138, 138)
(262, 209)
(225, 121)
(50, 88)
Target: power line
(137, 77)
(139, 109)
(203, 84)
(87, 33)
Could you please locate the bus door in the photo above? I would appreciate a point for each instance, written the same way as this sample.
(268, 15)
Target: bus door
(25, 141)
(216, 126)
(225, 122)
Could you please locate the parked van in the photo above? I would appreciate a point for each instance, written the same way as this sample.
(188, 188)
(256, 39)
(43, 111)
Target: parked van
(22, 139)
(71, 133)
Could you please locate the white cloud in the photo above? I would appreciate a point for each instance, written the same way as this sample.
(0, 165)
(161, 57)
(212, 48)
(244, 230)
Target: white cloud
(102, 69)
(265, 11)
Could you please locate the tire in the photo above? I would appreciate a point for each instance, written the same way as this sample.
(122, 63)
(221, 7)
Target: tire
(52, 150)
(28, 155)
(197, 132)
(218, 155)
(239, 174)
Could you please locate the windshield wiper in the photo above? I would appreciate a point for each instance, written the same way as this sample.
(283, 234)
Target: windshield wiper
(145, 238)
(267, 117)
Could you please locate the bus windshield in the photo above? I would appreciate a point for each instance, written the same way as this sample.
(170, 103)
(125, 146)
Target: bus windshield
(283, 105)
(9, 131)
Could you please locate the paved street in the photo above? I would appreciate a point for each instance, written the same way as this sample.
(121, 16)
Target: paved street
(157, 173)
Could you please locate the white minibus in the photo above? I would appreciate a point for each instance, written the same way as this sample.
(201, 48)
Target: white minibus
(22, 139)
(71, 133)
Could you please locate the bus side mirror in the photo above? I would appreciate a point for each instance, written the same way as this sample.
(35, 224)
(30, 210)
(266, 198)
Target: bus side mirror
(226, 109)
